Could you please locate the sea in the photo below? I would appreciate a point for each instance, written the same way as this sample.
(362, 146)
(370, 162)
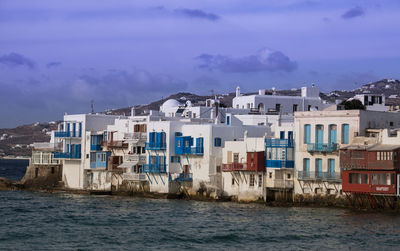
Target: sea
(62, 221)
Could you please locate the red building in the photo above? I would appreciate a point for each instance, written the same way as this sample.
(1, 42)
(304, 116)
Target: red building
(373, 170)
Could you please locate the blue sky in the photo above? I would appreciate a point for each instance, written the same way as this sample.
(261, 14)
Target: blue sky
(56, 56)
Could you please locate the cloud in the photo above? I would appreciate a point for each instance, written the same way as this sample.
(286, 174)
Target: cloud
(353, 12)
(53, 64)
(264, 60)
(196, 13)
(14, 59)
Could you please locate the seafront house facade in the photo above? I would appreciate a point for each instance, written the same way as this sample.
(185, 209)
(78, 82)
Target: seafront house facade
(320, 135)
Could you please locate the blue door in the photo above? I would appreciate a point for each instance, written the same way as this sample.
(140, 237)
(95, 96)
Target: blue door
(306, 167)
(332, 134)
(319, 134)
(331, 168)
(318, 168)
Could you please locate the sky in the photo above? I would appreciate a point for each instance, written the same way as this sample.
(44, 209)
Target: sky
(56, 55)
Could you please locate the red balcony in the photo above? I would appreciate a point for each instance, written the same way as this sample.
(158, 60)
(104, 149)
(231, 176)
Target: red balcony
(241, 167)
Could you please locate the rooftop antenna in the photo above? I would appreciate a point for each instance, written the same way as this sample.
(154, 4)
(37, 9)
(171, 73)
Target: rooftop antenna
(92, 106)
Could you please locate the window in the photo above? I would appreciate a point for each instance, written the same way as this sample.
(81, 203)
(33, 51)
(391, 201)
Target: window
(218, 169)
(295, 108)
(345, 133)
(175, 159)
(103, 157)
(282, 135)
(309, 108)
(391, 123)
(259, 180)
(217, 142)
(194, 115)
(365, 178)
(319, 134)
(236, 158)
(332, 134)
(278, 107)
(233, 181)
(52, 169)
(251, 180)
(228, 120)
(307, 134)
(270, 175)
(289, 176)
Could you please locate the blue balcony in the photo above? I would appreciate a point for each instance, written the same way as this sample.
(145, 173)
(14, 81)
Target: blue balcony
(61, 155)
(68, 134)
(189, 150)
(322, 147)
(155, 146)
(279, 164)
(185, 177)
(154, 168)
(278, 143)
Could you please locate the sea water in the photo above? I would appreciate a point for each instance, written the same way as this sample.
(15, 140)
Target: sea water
(62, 221)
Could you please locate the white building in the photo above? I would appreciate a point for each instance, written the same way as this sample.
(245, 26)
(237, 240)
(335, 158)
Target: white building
(372, 102)
(308, 101)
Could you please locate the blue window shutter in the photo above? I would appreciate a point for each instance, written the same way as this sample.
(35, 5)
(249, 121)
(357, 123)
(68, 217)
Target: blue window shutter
(215, 141)
(228, 120)
(172, 159)
(345, 133)
(80, 129)
(68, 127)
(73, 129)
(307, 134)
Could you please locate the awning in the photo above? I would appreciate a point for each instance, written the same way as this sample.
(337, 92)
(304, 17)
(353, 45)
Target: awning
(128, 164)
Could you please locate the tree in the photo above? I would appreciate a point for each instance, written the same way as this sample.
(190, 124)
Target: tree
(353, 104)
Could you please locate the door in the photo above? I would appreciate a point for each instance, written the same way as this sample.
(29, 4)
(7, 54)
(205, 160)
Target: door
(318, 168)
(306, 167)
(331, 168)
(319, 137)
(332, 134)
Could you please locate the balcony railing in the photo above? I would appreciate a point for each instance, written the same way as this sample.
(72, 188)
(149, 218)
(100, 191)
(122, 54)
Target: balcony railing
(135, 136)
(280, 183)
(278, 143)
(135, 158)
(189, 150)
(134, 176)
(154, 168)
(322, 147)
(184, 177)
(115, 144)
(45, 145)
(324, 176)
(155, 146)
(60, 155)
(279, 163)
(95, 147)
(68, 134)
(240, 167)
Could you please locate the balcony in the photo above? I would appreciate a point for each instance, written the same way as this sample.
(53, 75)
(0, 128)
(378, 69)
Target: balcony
(279, 164)
(322, 176)
(95, 147)
(278, 143)
(280, 183)
(115, 144)
(135, 136)
(185, 177)
(154, 168)
(322, 147)
(68, 134)
(134, 176)
(135, 158)
(156, 146)
(240, 167)
(60, 155)
(189, 151)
